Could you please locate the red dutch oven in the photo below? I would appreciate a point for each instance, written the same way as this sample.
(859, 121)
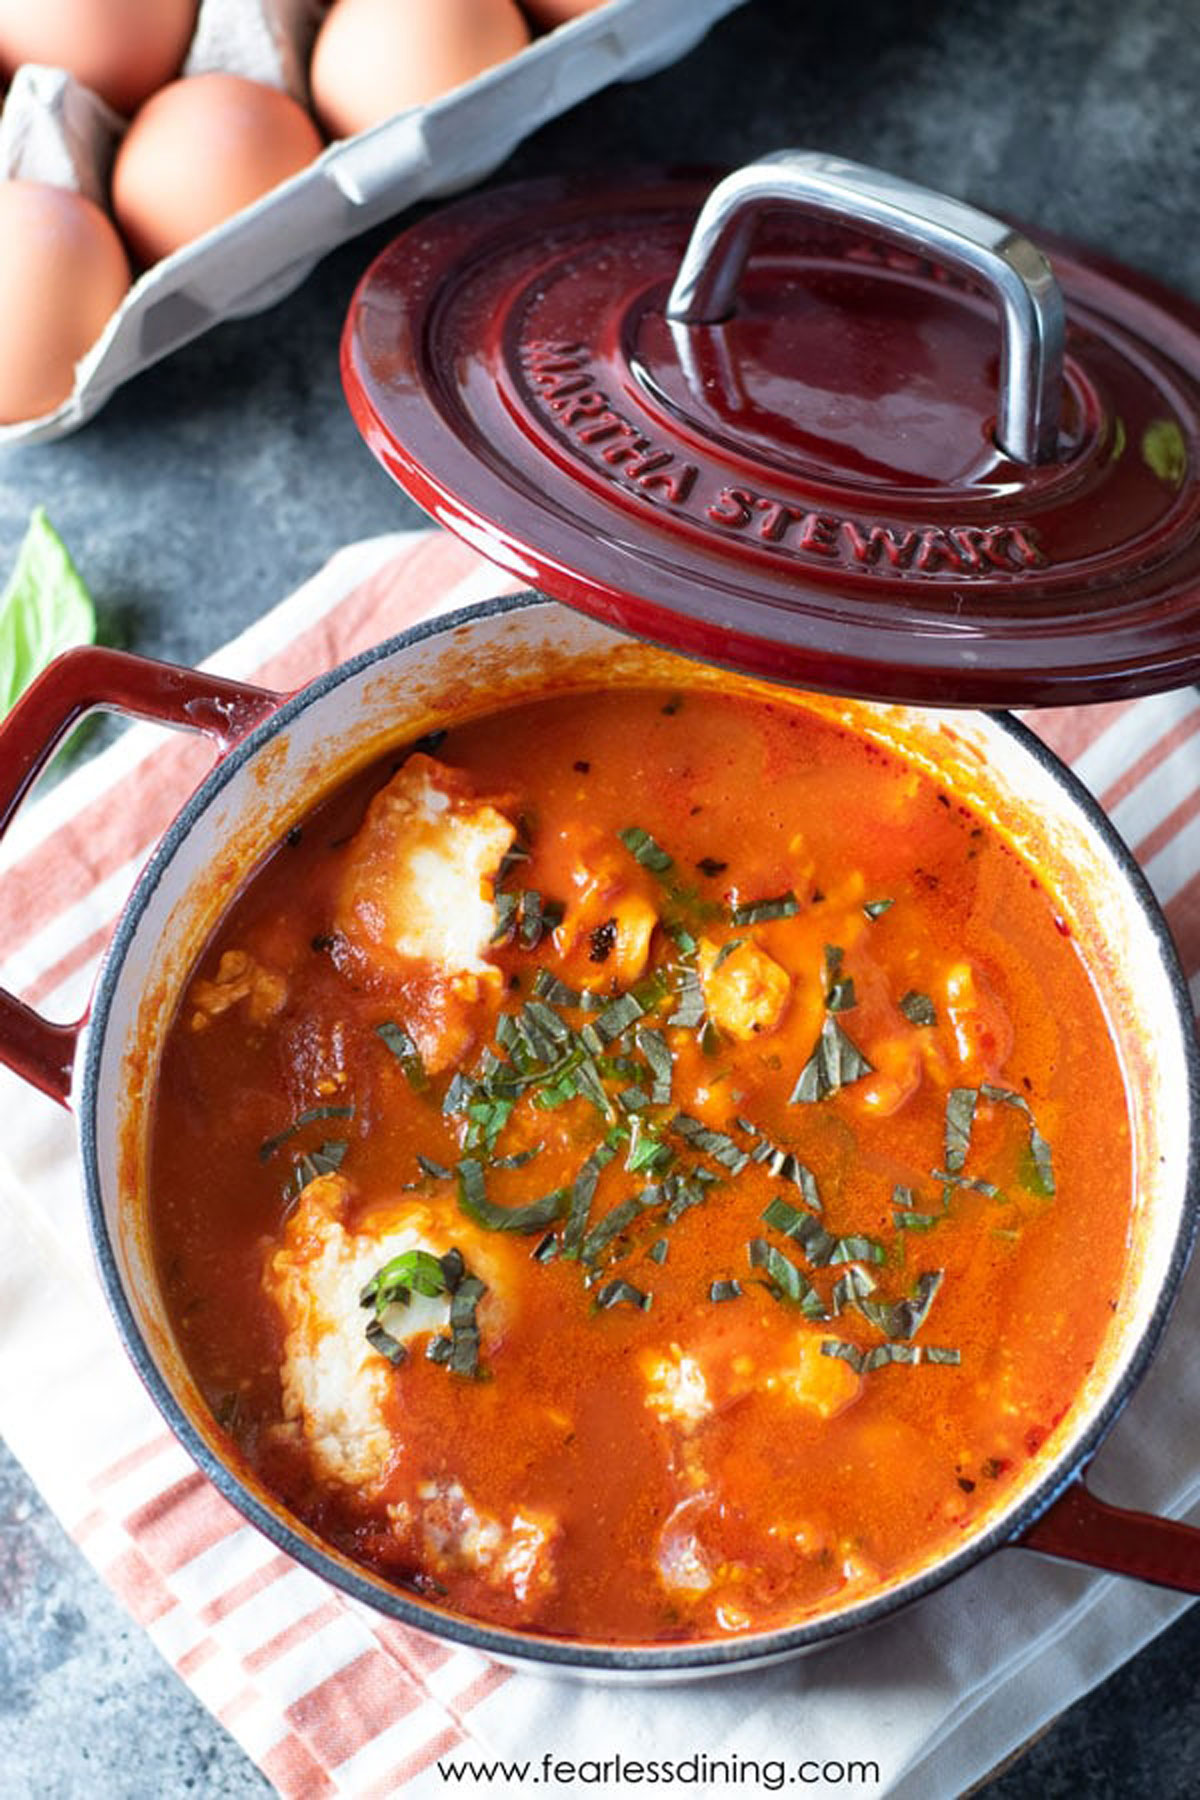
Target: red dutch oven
(816, 426)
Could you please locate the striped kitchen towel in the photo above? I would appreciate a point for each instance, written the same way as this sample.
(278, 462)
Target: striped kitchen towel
(324, 1695)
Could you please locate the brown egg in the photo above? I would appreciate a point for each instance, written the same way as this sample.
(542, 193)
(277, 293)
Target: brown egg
(200, 150)
(123, 49)
(546, 14)
(63, 273)
(372, 58)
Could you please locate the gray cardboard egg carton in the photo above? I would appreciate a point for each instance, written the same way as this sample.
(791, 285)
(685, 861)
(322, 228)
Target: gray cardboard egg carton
(53, 129)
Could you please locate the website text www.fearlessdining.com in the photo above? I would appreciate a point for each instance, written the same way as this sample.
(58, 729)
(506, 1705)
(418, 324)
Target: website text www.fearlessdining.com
(702, 1772)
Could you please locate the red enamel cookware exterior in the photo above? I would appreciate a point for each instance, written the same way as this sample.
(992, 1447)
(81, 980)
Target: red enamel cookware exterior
(277, 753)
(816, 423)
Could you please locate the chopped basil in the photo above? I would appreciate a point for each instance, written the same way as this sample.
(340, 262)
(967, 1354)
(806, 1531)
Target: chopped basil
(936, 1353)
(784, 1279)
(834, 1064)
(437, 1170)
(646, 1150)
(727, 949)
(850, 1288)
(506, 917)
(960, 1117)
(617, 1017)
(904, 1318)
(653, 988)
(464, 1326)
(653, 1046)
(1037, 1165)
(907, 1215)
(690, 1010)
(875, 909)
(438, 1349)
(617, 1293)
(487, 1119)
(880, 1355)
(817, 1243)
(682, 1193)
(458, 1094)
(758, 912)
(841, 996)
(857, 1249)
(517, 1160)
(327, 1160)
(684, 940)
(536, 917)
(589, 1084)
(516, 853)
(546, 1250)
(384, 1343)
(473, 1200)
(548, 987)
(725, 1290)
(973, 1184)
(782, 1165)
(582, 1193)
(269, 1146)
(615, 1222)
(716, 1144)
(536, 1013)
(918, 1009)
(412, 1272)
(405, 1052)
(642, 847)
(658, 1250)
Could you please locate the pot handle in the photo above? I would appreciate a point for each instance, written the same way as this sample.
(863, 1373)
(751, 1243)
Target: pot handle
(1080, 1528)
(75, 684)
(1015, 272)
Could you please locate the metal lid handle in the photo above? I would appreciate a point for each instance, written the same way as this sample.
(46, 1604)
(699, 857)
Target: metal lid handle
(1013, 270)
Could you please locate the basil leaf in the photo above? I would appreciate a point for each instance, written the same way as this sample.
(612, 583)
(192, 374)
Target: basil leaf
(269, 1146)
(473, 1200)
(834, 1064)
(758, 912)
(405, 1052)
(645, 850)
(960, 1117)
(618, 1293)
(44, 609)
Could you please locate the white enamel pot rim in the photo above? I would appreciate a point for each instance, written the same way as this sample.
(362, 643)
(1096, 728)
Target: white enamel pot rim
(485, 639)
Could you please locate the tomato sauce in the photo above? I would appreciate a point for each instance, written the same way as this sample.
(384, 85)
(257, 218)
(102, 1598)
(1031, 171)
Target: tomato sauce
(798, 1012)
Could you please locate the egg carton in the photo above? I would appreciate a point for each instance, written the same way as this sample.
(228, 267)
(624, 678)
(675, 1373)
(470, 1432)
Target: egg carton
(55, 130)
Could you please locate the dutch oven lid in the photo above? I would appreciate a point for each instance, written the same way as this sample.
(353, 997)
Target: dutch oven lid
(815, 423)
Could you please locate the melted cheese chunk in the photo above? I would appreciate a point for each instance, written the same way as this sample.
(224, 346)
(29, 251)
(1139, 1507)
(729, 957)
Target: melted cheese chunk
(240, 977)
(457, 1535)
(335, 1385)
(746, 991)
(611, 919)
(820, 1384)
(420, 873)
(676, 1389)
